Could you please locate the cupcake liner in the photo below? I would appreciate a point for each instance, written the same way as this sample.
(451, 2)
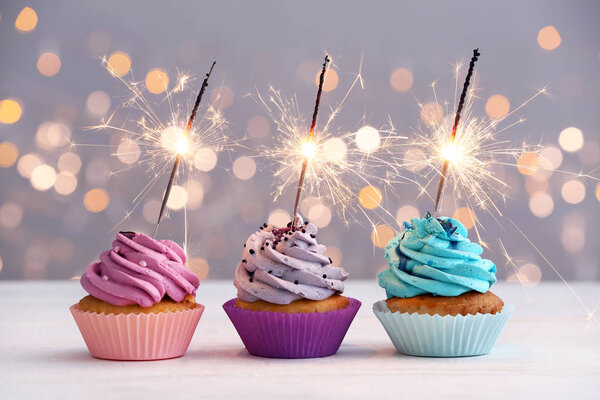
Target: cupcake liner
(137, 337)
(298, 335)
(436, 336)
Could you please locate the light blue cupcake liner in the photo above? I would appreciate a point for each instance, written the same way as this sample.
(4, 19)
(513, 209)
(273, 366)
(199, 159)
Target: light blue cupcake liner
(436, 336)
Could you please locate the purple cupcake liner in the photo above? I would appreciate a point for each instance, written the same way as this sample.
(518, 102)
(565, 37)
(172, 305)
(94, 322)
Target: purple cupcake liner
(299, 335)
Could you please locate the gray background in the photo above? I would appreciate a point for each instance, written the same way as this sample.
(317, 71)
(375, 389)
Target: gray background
(264, 42)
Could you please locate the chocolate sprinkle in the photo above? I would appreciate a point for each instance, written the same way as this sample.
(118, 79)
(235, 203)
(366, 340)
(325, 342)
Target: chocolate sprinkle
(295, 282)
(330, 261)
(244, 261)
(324, 276)
(251, 251)
(312, 235)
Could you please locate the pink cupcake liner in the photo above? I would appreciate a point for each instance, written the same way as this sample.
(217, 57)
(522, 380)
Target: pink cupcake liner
(299, 335)
(137, 337)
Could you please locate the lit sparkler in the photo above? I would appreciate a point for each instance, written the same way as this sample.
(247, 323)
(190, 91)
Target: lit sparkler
(158, 142)
(182, 146)
(327, 163)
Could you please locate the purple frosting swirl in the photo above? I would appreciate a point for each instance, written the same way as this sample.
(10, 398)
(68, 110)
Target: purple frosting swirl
(140, 270)
(279, 266)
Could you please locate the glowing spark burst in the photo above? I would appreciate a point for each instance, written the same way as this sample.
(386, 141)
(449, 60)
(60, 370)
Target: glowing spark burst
(338, 167)
(158, 133)
(470, 156)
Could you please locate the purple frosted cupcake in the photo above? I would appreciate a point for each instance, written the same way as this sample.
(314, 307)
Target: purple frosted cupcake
(289, 302)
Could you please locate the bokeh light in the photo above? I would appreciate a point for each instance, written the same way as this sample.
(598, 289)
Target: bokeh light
(200, 267)
(368, 139)
(466, 216)
(381, 235)
(548, 38)
(28, 163)
(533, 185)
(11, 214)
(8, 154)
(96, 200)
(405, 213)
(401, 80)
(244, 168)
(331, 80)
(157, 80)
(598, 192)
(528, 275)
(177, 198)
(320, 215)
(51, 135)
(69, 162)
(541, 204)
(65, 183)
(128, 151)
(205, 159)
(552, 155)
(497, 106)
(258, 127)
(335, 254)
(150, 210)
(48, 64)
(370, 197)
(36, 261)
(97, 103)
(119, 63)
(528, 163)
(195, 194)
(431, 113)
(26, 20)
(334, 150)
(573, 239)
(279, 217)
(43, 177)
(571, 139)
(573, 191)
(10, 111)
(222, 97)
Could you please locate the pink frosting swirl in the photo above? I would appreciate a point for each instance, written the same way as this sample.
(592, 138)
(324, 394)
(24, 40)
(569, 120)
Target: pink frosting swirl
(140, 270)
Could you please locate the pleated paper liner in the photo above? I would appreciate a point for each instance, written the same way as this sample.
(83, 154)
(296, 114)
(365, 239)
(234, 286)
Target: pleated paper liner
(137, 337)
(298, 335)
(436, 336)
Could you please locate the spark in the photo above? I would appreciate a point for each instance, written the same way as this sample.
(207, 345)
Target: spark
(160, 132)
(338, 167)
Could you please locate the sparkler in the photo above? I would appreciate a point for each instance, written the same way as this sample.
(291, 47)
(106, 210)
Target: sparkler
(181, 150)
(308, 147)
(333, 164)
(461, 103)
(154, 142)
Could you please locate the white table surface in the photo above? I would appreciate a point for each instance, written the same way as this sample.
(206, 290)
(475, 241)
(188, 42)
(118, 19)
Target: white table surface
(549, 349)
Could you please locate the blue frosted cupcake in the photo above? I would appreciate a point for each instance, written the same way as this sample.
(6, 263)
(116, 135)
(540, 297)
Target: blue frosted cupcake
(438, 300)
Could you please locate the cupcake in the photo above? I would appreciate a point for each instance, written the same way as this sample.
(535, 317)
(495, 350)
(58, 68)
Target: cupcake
(438, 300)
(141, 303)
(289, 302)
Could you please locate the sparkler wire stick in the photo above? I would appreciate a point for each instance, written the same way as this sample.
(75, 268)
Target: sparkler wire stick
(178, 158)
(463, 95)
(310, 137)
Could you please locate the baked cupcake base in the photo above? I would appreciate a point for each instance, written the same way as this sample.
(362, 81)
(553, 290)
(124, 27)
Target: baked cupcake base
(292, 335)
(331, 303)
(442, 336)
(137, 337)
(467, 303)
(92, 304)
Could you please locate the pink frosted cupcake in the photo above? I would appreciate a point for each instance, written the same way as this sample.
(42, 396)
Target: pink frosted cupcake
(289, 302)
(142, 302)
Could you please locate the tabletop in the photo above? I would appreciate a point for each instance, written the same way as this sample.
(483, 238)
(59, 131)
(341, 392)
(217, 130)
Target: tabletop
(549, 349)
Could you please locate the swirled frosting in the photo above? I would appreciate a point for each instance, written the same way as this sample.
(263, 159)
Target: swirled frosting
(280, 265)
(140, 270)
(434, 256)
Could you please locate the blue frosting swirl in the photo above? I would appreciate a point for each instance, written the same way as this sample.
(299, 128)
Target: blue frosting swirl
(434, 256)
